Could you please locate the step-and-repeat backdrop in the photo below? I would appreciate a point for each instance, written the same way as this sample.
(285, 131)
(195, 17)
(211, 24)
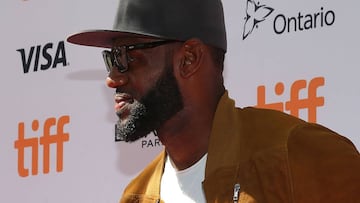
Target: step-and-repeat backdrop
(57, 119)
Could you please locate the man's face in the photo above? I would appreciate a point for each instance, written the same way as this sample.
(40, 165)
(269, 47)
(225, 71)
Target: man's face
(162, 100)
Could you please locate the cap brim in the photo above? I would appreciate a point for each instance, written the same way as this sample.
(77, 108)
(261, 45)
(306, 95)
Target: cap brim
(101, 38)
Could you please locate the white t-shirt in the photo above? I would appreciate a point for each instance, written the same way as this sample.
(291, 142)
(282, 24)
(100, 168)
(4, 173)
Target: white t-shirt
(183, 186)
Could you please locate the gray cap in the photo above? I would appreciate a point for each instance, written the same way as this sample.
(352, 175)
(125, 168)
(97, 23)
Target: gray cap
(166, 19)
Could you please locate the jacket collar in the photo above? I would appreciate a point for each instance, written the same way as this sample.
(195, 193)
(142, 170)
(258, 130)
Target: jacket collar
(222, 140)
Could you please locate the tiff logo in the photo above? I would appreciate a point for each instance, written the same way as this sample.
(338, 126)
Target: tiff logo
(46, 139)
(295, 104)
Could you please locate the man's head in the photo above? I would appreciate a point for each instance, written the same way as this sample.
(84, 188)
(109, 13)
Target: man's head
(157, 49)
(147, 94)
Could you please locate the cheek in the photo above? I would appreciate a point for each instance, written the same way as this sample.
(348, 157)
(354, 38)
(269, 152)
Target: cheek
(142, 81)
(144, 72)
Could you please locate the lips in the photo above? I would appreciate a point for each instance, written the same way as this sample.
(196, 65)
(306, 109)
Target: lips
(122, 100)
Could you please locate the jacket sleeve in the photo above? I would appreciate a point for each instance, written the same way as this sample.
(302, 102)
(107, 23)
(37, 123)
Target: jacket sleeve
(324, 166)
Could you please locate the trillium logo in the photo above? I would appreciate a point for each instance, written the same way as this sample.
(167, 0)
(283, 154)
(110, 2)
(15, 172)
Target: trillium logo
(255, 14)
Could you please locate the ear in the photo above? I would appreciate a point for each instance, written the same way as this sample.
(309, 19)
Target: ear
(192, 56)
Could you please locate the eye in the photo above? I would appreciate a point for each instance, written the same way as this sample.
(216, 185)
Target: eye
(130, 58)
(135, 56)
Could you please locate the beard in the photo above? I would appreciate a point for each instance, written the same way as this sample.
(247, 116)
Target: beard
(161, 102)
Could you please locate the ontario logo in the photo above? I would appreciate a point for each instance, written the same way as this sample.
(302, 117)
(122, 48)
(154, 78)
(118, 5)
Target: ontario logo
(257, 13)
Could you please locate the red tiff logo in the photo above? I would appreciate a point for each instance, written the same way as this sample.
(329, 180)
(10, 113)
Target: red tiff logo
(295, 103)
(58, 138)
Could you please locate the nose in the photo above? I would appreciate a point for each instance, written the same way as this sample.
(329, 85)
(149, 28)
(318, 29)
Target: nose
(116, 79)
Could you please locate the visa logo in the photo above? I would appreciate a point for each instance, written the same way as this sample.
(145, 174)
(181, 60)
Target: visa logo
(43, 57)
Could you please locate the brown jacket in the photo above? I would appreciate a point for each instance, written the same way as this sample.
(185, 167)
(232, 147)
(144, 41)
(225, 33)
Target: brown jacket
(274, 158)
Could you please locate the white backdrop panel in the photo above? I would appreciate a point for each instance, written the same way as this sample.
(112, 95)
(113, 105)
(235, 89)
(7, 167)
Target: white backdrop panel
(95, 168)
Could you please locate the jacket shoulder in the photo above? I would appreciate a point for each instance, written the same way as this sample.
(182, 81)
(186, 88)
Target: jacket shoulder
(267, 128)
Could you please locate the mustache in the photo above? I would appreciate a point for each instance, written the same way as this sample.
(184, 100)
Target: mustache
(120, 92)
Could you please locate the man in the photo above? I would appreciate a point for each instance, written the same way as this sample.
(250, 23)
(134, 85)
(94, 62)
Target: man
(166, 64)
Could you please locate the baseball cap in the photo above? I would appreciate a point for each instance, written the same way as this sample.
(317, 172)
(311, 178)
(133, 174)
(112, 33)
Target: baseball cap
(165, 19)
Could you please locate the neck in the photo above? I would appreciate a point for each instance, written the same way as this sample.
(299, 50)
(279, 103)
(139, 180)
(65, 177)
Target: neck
(186, 145)
(186, 136)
